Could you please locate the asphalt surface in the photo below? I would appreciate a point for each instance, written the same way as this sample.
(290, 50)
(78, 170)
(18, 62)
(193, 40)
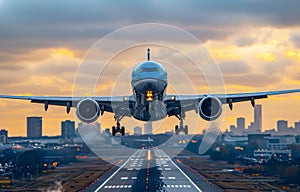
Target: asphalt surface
(150, 170)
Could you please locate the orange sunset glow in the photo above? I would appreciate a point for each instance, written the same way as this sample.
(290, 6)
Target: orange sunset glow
(256, 45)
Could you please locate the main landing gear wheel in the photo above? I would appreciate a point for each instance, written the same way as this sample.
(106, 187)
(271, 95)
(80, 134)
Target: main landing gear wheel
(118, 129)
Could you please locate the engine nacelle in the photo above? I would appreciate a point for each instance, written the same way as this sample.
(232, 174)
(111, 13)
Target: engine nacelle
(210, 108)
(88, 110)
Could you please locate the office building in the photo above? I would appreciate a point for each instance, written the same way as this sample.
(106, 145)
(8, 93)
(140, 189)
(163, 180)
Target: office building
(257, 126)
(240, 122)
(258, 141)
(232, 129)
(3, 136)
(148, 128)
(137, 130)
(282, 126)
(34, 127)
(297, 127)
(68, 129)
(240, 125)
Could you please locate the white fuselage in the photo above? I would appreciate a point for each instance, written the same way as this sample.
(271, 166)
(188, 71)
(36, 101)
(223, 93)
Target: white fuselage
(149, 82)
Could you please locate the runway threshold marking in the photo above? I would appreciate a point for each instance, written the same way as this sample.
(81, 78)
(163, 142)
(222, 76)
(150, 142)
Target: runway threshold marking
(187, 177)
(115, 173)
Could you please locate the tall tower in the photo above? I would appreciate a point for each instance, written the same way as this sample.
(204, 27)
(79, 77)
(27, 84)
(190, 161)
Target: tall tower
(257, 118)
(34, 127)
(240, 125)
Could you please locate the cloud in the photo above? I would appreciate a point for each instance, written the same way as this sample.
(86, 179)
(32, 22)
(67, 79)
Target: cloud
(295, 38)
(56, 22)
(234, 67)
(252, 80)
(10, 66)
(244, 41)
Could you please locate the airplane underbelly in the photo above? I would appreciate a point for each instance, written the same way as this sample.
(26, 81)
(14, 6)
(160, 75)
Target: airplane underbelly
(154, 111)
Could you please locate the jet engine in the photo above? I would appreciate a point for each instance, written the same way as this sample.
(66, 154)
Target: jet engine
(88, 110)
(210, 108)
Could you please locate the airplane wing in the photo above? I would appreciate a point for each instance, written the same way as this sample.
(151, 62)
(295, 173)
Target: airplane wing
(190, 102)
(174, 103)
(108, 103)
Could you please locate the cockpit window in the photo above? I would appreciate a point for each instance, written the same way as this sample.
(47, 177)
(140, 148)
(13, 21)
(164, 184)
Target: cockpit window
(152, 69)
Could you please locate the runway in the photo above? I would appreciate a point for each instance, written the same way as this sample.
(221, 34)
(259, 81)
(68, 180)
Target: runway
(150, 170)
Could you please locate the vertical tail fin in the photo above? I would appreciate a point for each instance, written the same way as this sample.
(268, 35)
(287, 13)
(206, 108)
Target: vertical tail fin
(148, 54)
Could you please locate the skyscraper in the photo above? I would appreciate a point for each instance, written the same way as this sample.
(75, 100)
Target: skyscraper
(240, 125)
(257, 118)
(34, 127)
(68, 129)
(3, 136)
(148, 128)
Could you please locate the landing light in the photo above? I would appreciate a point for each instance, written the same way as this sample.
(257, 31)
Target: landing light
(149, 96)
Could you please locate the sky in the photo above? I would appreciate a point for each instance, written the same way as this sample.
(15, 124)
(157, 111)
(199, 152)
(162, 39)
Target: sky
(255, 43)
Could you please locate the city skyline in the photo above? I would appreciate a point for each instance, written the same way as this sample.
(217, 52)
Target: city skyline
(282, 127)
(68, 127)
(256, 47)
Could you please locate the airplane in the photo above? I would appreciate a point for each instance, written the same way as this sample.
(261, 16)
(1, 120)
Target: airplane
(149, 101)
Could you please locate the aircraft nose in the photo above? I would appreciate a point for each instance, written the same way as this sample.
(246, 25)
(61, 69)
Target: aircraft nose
(144, 85)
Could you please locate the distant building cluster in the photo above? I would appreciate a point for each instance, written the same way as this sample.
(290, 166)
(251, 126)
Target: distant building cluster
(256, 126)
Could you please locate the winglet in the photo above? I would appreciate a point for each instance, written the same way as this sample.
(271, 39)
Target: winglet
(148, 54)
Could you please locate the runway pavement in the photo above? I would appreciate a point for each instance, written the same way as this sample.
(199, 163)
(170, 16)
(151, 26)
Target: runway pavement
(150, 170)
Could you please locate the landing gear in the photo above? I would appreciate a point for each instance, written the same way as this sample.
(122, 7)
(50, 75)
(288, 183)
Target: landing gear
(180, 128)
(118, 129)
